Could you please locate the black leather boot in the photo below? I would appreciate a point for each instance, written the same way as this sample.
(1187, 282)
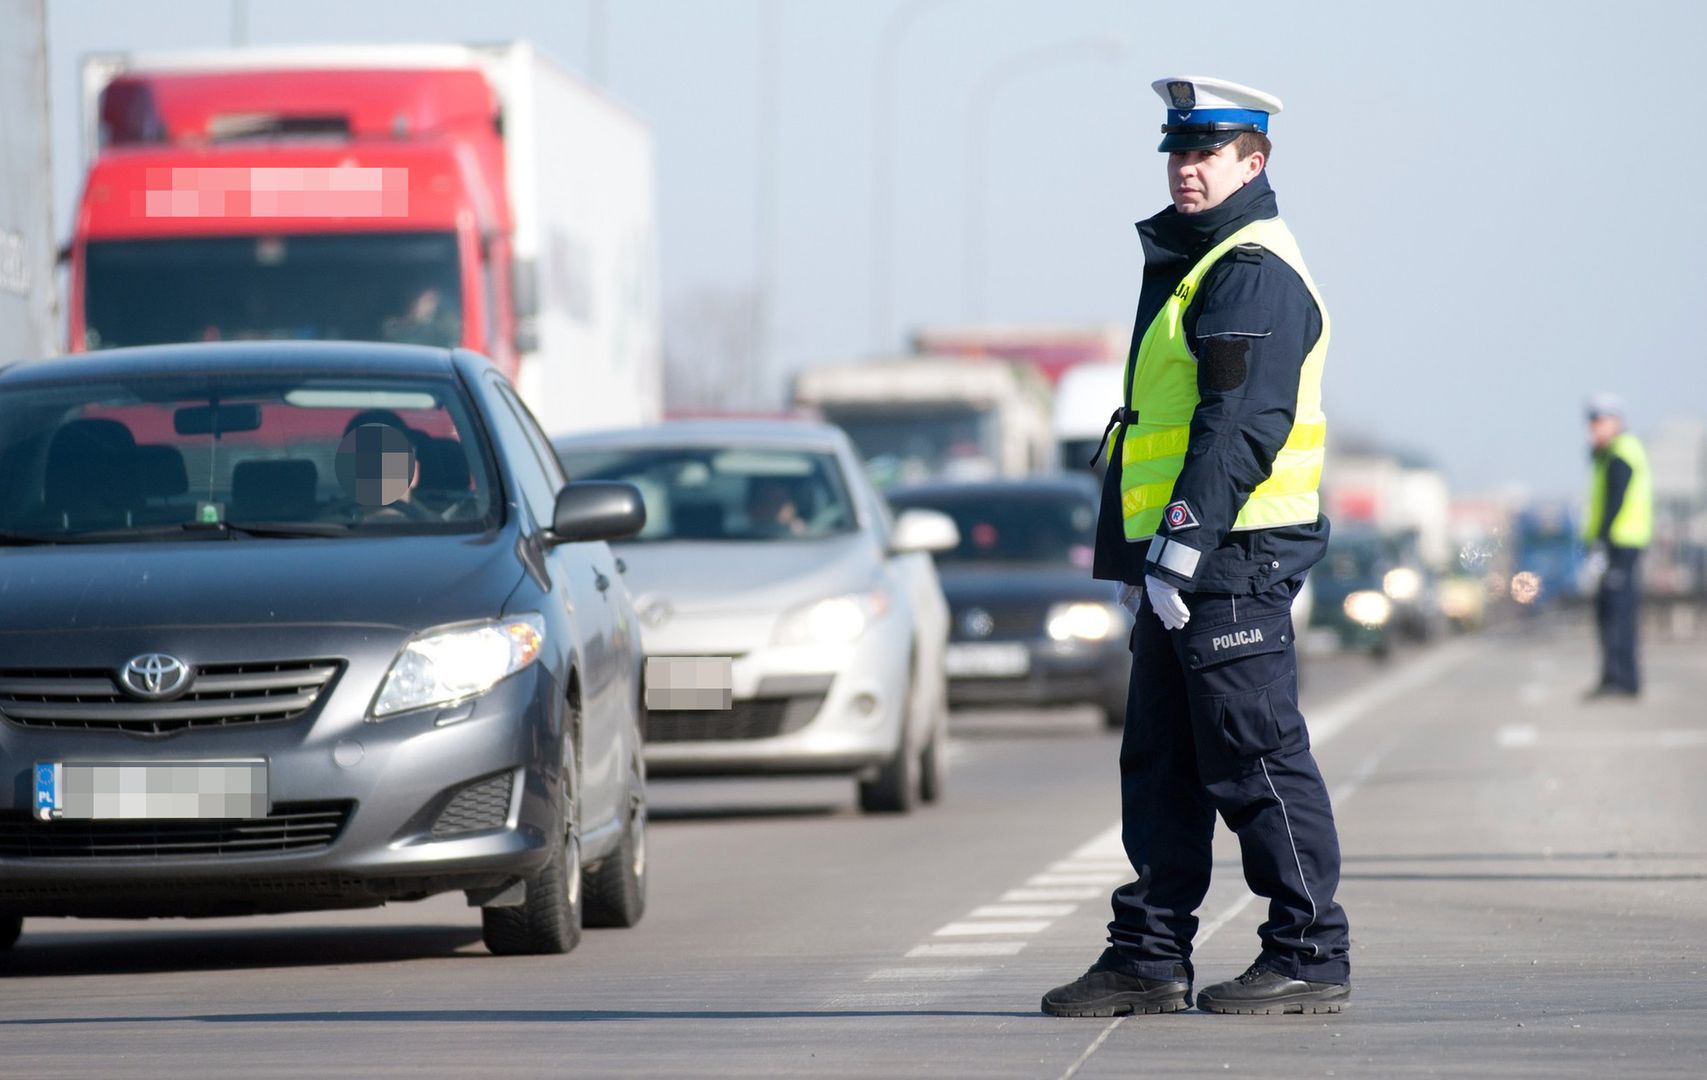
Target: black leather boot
(1106, 990)
(1263, 990)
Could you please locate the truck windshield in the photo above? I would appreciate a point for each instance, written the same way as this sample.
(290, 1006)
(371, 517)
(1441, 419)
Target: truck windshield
(179, 457)
(726, 492)
(921, 444)
(398, 287)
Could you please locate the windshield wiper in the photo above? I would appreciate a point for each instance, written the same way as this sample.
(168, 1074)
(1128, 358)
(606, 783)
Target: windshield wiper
(209, 530)
(25, 539)
(270, 529)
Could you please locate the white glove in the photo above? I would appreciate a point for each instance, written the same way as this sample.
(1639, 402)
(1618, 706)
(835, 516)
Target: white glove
(1593, 568)
(1131, 596)
(1165, 599)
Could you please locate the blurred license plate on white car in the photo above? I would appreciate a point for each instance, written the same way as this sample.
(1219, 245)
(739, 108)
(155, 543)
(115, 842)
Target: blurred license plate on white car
(989, 660)
(159, 790)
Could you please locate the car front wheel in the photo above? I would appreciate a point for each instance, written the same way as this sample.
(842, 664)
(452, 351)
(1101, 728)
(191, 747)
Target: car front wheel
(549, 920)
(616, 885)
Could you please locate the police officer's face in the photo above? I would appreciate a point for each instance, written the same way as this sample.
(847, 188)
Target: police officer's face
(1202, 179)
(1602, 430)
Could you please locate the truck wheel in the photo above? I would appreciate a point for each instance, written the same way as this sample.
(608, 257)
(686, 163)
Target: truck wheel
(549, 921)
(616, 885)
(10, 927)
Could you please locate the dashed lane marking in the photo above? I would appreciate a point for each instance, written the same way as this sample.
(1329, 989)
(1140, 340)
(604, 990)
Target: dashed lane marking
(967, 948)
(924, 973)
(993, 927)
(1022, 911)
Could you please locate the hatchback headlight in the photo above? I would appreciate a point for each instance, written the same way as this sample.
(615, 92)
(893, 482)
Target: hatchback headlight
(1366, 607)
(1083, 621)
(1402, 584)
(835, 621)
(467, 661)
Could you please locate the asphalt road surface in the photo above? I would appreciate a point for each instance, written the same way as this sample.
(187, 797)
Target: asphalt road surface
(1526, 878)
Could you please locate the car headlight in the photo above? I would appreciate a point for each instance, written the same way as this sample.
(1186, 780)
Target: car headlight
(1082, 621)
(1366, 607)
(835, 621)
(464, 662)
(1402, 584)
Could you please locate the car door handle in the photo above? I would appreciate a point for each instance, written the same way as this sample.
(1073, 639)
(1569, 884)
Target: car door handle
(600, 582)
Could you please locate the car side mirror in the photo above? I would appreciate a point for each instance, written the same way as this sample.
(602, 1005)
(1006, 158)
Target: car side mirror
(919, 529)
(597, 510)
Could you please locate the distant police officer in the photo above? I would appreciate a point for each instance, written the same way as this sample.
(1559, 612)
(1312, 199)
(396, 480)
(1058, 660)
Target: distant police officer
(1210, 516)
(1618, 525)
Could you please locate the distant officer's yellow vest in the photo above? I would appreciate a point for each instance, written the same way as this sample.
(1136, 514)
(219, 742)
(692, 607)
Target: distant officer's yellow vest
(1161, 387)
(1634, 525)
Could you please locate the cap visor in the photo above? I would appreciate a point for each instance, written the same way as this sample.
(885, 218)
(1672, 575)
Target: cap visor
(1196, 140)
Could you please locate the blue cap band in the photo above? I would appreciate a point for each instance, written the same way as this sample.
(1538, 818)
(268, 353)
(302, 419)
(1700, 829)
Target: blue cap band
(1255, 117)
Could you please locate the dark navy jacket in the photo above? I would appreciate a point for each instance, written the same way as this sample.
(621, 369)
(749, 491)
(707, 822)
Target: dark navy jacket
(1251, 324)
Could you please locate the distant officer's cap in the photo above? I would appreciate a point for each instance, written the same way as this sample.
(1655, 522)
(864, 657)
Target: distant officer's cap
(1605, 405)
(1207, 113)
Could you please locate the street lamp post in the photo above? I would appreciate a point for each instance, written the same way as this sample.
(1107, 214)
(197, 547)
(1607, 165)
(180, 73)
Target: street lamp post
(978, 121)
(889, 41)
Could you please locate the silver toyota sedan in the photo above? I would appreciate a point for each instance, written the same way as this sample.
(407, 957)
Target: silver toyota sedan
(297, 626)
(766, 543)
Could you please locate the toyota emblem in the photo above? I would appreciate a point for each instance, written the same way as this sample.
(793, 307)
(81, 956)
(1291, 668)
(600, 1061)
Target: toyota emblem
(154, 676)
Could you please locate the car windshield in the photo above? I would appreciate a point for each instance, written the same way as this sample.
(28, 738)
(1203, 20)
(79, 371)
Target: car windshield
(397, 287)
(178, 457)
(727, 492)
(1033, 528)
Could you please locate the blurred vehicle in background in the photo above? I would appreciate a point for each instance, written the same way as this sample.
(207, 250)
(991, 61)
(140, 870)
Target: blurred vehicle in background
(1350, 589)
(239, 676)
(1029, 625)
(915, 418)
(442, 195)
(28, 305)
(1084, 398)
(766, 542)
(1546, 558)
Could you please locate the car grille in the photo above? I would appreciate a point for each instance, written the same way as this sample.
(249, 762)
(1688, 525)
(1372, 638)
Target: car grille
(753, 718)
(484, 804)
(291, 827)
(1007, 622)
(221, 695)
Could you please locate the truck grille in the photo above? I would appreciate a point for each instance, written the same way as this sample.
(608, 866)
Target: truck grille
(291, 827)
(484, 804)
(754, 718)
(221, 695)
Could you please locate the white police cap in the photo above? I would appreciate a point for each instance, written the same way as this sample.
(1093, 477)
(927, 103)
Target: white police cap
(1205, 113)
(1605, 405)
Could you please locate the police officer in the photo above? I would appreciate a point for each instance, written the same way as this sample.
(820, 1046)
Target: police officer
(1618, 525)
(1210, 516)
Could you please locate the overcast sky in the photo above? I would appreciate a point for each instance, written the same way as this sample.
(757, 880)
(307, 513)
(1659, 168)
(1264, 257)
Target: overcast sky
(1499, 200)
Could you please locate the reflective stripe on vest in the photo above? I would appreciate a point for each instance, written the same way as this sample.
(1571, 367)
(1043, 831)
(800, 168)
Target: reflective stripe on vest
(1634, 525)
(1161, 386)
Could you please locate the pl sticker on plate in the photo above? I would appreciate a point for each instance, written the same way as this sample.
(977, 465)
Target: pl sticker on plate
(47, 791)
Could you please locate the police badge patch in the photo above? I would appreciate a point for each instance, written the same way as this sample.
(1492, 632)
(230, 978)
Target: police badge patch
(1179, 517)
(1182, 95)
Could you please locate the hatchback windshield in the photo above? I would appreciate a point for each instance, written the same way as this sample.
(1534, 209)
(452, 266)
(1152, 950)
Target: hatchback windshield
(397, 287)
(1035, 527)
(176, 456)
(727, 493)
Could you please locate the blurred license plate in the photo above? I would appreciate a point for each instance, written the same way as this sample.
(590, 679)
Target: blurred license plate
(991, 660)
(692, 683)
(158, 790)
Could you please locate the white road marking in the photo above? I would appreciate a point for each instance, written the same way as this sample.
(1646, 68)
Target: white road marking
(1044, 881)
(1510, 735)
(1092, 866)
(992, 927)
(1022, 911)
(1074, 892)
(1518, 736)
(924, 974)
(968, 948)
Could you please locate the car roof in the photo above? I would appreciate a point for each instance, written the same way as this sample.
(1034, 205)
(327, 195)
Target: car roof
(804, 434)
(1048, 484)
(244, 357)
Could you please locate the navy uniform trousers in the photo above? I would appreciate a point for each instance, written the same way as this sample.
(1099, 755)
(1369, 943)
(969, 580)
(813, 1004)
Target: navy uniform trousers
(1212, 726)
(1615, 604)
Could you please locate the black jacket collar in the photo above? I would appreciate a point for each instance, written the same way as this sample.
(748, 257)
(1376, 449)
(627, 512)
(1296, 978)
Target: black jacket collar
(1171, 236)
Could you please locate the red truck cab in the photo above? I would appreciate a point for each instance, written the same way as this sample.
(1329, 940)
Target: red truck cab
(337, 204)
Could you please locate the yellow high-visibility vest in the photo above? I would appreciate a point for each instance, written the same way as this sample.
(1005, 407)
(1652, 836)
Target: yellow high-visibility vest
(1634, 525)
(1161, 387)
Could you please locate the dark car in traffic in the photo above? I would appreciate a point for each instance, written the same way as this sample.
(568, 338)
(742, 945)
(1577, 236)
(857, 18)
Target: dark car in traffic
(1028, 625)
(292, 626)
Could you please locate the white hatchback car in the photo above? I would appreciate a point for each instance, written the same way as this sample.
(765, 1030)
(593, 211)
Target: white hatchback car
(765, 542)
